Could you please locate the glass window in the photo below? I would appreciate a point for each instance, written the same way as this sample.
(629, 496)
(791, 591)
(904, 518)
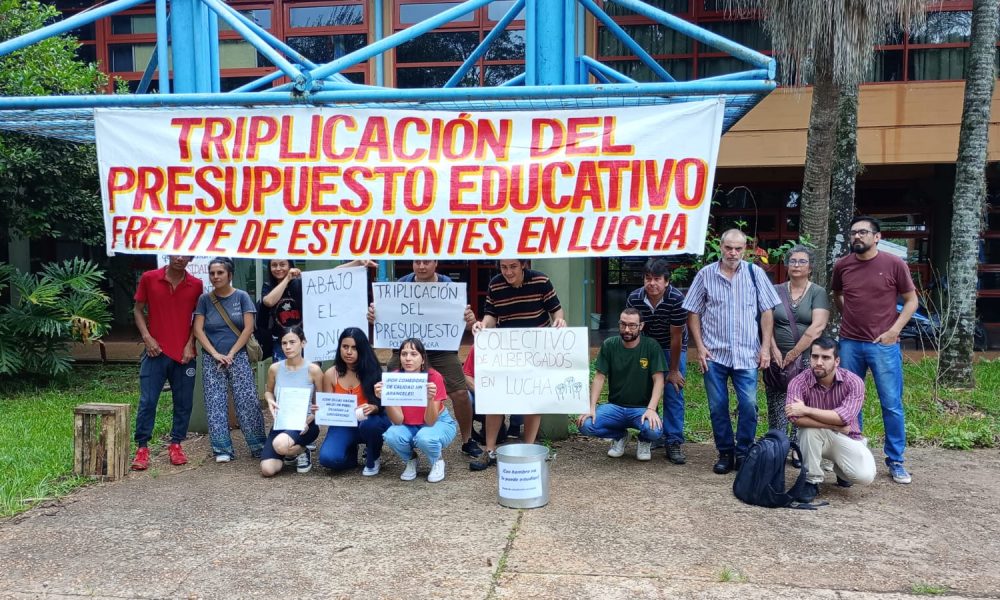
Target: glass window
(133, 24)
(748, 33)
(326, 16)
(324, 48)
(498, 8)
(944, 28)
(710, 67)
(415, 13)
(433, 77)
(655, 39)
(260, 16)
(86, 32)
(438, 47)
(129, 57)
(237, 54)
(496, 75)
(355, 76)
(679, 69)
(509, 45)
(670, 6)
(887, 66)
(942, 63)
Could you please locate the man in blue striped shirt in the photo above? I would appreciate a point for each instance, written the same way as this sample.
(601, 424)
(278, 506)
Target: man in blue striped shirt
(723, 305)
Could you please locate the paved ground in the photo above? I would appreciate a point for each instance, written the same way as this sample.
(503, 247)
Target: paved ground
(613, 529)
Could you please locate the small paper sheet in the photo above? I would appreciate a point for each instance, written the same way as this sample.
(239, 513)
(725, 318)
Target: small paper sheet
(337, 410)
(293, 408)
(404, 389)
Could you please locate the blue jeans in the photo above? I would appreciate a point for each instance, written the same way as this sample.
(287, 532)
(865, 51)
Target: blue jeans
(339, 451)
(745, 382)
(612, 421)
(429, 439)
(153, 371)
(886, 364)
(673, 404)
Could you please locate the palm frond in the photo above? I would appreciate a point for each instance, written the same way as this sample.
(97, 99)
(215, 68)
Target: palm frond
(76, 274)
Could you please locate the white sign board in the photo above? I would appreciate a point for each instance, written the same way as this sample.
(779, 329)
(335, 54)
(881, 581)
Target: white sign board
(404, 389)
(337, 410)
(332, 301)
(542, 370)
(293, 408)
(520, 481)
(432, 312)
(197, 267)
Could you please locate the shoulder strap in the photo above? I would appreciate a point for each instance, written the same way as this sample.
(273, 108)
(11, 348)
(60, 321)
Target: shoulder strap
(225, 316)
(786, 299)
(756, 290)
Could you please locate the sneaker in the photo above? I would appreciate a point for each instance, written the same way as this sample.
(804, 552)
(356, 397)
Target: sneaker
(141, 460)
(304, 463)
(410, 472)
(290, 460)
(487, 460)
(675, 454)
(617, 449)
(844, 483)
(177, 456)
(897, 472)
(437, 471)
(374, 469)
(644, 451)
(223, 458)
(471, 448)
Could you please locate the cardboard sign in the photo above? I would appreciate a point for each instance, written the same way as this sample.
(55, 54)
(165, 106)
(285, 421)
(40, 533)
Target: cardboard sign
(332, 301)
(293, 408)
(404, 389)
(432, 312)
(337, 410)
(532, 371)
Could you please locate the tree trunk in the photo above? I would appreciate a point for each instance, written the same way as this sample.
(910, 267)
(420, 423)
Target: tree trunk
(845, 175)
(959, 319)
(814, 221)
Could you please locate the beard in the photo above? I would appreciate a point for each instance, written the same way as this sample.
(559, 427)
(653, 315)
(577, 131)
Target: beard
(859, 247)
(629, 336)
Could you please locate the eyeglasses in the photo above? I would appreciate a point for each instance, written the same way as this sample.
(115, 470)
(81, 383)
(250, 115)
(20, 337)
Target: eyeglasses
(629, 326)
(798, 262)
(861, 232)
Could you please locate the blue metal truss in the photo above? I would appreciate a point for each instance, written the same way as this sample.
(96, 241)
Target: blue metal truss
(557, 73)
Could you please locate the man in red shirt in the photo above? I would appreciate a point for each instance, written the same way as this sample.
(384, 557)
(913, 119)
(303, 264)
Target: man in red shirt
(169, 295)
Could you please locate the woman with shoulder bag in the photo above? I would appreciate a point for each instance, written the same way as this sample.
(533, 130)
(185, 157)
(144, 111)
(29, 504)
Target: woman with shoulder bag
(223, 325)
(809, 305)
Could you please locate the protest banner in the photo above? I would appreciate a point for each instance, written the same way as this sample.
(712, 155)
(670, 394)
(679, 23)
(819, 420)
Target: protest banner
(338, 182)
(336, 410)
(332, 301)
(432, 312)
(404, 389)
(542, 370)
(293, 408)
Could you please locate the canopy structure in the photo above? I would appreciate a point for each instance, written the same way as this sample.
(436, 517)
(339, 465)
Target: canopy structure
(557, 71)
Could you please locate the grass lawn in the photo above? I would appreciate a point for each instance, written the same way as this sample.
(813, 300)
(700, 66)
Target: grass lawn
(36, 431)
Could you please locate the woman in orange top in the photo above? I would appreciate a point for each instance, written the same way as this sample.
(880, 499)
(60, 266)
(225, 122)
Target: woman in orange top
(355, 371)
(426, 428)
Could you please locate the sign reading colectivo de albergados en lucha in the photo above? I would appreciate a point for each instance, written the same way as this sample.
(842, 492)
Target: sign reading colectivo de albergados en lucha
(298, 182)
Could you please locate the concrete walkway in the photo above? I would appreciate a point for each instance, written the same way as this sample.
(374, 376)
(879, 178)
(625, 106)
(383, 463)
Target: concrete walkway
(613, 529)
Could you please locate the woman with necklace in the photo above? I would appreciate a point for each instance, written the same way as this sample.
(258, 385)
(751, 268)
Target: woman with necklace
(355, 371)
(809, 305)
(286, 447)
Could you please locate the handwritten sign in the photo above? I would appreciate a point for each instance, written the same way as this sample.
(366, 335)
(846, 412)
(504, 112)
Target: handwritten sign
(404, 389)
(337, 410)
(293, 408)
(532, 371)
(332, 301)
(520, 481)
(433, 312)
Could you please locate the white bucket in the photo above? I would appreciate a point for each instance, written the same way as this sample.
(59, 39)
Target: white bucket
(523, 475)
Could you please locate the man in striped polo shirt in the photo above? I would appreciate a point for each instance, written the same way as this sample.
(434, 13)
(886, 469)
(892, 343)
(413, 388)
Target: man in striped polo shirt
(663, 317)
(824, 402)
(723, 305)
(517, 297)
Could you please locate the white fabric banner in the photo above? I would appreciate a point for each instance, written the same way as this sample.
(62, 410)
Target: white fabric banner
(433, 312)
(332, 301)
(532, 371)
(324, 183)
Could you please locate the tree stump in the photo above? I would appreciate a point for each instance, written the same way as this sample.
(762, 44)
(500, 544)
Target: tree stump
(101, 440)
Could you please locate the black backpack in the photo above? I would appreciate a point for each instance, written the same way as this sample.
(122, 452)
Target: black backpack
(761, 479)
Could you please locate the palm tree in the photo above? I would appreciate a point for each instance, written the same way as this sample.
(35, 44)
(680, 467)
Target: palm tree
(830, 43)
(955, 357)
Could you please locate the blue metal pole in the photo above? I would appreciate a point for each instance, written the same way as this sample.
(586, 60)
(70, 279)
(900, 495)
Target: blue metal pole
(163, 46)
(147, 75)
(213, 40)
(66, 25)
(604, 69)
(182, 26)
(379, 29)
(702, 35)
(418, 95)
(259, 83)
(297, 77)
(569, 41)
(516, 80)
(484, 46)
(547, 52)
(203, 49)
(626, 39)
(752, 74)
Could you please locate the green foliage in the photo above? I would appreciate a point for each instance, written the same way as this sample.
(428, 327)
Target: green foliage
(60, 305)
(928, 589)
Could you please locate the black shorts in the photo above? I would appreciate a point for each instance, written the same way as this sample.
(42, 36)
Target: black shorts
(300, 439)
